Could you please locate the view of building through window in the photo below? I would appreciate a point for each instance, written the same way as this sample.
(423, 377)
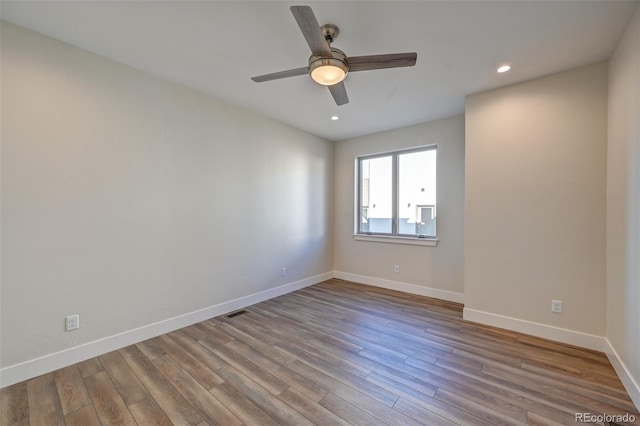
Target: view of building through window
(397, 193)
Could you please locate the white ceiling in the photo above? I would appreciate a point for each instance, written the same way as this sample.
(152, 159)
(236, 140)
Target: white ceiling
(216, 46)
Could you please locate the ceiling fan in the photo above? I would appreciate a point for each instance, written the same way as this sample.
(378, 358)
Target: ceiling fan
(329, 66)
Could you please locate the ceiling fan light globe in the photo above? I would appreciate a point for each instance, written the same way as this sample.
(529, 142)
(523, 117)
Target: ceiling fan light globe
(328, 71)
(328, 75)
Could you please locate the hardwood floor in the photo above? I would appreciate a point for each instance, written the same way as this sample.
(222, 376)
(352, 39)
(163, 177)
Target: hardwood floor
(334, 353)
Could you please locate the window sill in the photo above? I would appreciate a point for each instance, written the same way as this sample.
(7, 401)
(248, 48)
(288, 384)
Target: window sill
(414, 241)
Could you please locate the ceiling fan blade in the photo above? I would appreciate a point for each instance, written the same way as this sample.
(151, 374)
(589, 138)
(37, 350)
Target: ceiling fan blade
(376, 62)
(311, 31)
(339, 93)
(281, 74)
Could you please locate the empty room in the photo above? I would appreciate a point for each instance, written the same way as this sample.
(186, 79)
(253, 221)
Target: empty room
(331, 213)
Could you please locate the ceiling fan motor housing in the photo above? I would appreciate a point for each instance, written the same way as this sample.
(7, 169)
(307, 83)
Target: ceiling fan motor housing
(338, 61)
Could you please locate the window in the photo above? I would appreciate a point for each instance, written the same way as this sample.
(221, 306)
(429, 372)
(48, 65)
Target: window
(396, 193)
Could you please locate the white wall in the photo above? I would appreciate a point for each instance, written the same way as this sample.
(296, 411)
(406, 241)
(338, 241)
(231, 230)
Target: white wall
(535, 203)
(129, 200)
(623, 207)
(423, 269)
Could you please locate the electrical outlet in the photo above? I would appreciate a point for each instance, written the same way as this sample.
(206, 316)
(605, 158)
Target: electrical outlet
(283, 272)
(396, 269)
(556, 306)
(72, 322)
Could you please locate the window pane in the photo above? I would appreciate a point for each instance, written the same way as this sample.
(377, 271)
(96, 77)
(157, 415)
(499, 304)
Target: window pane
(417, 193)
(376, 197)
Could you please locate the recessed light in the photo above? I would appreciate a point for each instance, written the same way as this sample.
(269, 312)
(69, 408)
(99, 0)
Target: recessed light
(335, 117)
(504, 68)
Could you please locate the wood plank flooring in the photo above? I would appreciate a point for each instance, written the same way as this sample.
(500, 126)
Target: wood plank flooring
(335, 353)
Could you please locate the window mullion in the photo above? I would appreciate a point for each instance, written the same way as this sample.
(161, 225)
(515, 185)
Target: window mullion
(395, 195)
(360, 195)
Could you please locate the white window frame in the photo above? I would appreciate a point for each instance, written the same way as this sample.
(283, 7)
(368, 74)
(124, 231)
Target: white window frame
(393, 237)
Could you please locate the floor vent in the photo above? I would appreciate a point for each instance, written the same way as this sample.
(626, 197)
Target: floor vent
(235, 314)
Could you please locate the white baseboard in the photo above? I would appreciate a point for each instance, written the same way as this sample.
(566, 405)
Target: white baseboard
(630, 384)
(563, 335)
(35, 367)
(450, 296)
